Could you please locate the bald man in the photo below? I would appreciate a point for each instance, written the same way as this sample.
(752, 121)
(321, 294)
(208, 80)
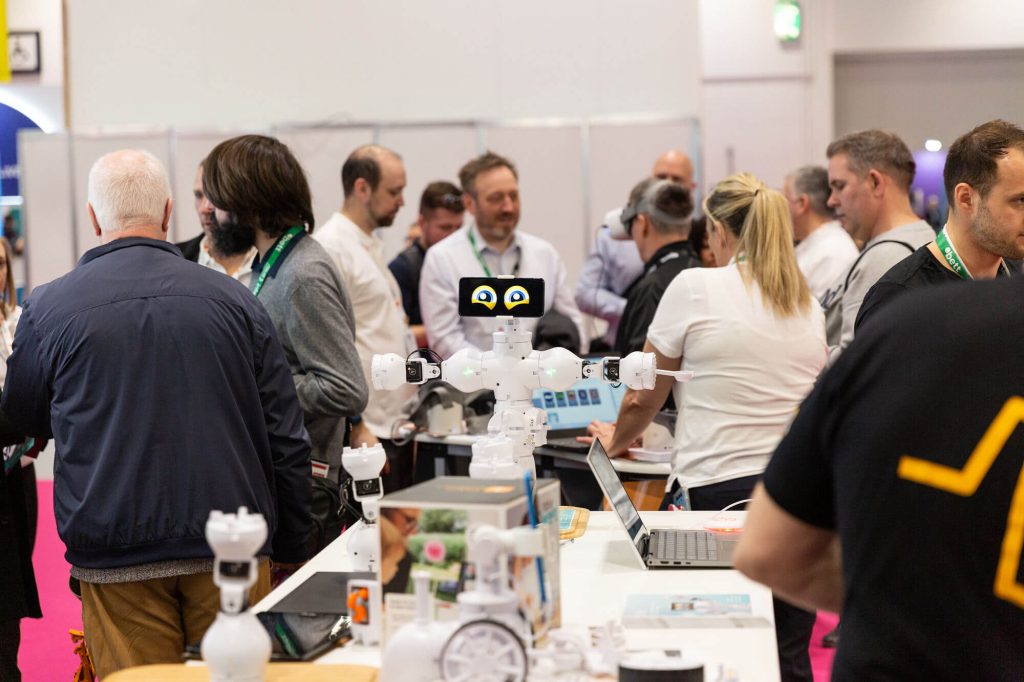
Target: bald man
(373, 182)
(613, 266)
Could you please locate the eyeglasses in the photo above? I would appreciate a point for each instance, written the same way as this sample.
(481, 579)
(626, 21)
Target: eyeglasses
(408, 523)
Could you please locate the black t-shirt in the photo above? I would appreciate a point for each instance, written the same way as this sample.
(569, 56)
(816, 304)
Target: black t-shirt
(931, 561)
(920, 269)
(406, 268)
(645, 293)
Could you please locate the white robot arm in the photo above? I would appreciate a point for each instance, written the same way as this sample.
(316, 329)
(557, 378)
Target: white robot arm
(557, 369)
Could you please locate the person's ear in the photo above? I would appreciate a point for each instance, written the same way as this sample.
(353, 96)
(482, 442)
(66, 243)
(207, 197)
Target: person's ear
(804, 204)
(167, 215)
(95, 223)
(876, 182)
(963, 197)
(363, 190)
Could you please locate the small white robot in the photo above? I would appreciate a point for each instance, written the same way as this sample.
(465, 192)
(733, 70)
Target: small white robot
(491, 641)
(236, 648)
(512, 369)
(364, 465)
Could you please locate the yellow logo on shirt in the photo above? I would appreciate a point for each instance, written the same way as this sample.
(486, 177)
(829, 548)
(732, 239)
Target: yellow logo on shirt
(964, 482)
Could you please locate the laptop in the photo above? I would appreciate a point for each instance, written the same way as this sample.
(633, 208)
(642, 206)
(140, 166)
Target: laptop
(660, 547)
(571, 411)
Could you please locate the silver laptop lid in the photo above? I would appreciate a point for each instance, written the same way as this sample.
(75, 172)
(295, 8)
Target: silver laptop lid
(617, 497)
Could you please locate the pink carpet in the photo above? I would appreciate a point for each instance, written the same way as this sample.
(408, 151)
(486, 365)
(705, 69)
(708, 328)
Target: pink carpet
(47, 653)
(821, 658)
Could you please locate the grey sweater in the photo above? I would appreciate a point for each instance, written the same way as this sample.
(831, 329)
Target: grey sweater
(311, 313)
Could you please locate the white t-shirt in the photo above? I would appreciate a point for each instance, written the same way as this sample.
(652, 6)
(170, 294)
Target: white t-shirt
(751, 371)
(824, 256)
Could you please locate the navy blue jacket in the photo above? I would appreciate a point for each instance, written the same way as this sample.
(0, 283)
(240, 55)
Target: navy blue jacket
(167, 394)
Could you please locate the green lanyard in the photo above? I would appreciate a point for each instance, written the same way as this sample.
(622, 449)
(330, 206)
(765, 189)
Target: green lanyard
(480, 258)
(945, 245)
(275, 254)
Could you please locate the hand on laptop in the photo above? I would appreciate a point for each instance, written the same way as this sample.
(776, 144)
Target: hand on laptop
(605, 431)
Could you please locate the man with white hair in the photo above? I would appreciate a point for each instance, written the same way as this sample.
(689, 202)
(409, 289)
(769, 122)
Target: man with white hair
(824, 250)
(117, 362)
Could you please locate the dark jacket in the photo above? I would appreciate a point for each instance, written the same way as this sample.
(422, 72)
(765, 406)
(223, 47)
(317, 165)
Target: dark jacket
(190, 249)
(167, 394)
(406, 268)
(644, 295)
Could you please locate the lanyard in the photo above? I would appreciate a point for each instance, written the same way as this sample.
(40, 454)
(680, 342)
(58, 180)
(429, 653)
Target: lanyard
(483, 264)
(945, 245)
(275, 255)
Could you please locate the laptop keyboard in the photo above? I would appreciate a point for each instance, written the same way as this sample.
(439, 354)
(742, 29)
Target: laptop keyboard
(685, 545)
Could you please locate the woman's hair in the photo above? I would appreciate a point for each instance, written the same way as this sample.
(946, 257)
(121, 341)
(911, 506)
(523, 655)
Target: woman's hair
(9, 301)
(759, 217)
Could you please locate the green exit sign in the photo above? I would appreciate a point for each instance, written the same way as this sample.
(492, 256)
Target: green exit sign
(787, 20)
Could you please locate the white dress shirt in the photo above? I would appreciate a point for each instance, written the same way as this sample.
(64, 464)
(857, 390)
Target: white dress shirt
(381, 325)
(824, 255)
(243, 274)
(454, 258)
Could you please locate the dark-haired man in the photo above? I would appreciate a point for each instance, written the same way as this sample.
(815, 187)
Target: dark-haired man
(202, 249)
(984, 181)
(440, 216)
(897, 496)
(261, 198)
(657, 217)
(824, 250)
(373, 180)
(488, 246)
(870, 173)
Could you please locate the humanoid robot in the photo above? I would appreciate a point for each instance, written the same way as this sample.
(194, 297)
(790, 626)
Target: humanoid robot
(512, 369)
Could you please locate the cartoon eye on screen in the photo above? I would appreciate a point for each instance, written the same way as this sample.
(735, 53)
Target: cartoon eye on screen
(497, 296)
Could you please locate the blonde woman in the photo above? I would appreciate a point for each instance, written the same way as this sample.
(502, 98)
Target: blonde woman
(755, 339)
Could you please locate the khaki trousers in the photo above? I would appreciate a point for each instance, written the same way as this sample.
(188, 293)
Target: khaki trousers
(152, 621)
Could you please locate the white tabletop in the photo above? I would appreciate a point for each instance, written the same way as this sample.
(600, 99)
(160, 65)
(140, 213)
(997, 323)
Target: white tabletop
(599, 571)
(621, 464)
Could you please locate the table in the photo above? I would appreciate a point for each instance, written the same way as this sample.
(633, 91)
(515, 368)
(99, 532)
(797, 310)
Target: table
(442, 448)
(276, 672)
(598, 571)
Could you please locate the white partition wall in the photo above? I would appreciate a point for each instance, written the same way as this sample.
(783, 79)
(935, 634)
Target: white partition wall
(48, 211)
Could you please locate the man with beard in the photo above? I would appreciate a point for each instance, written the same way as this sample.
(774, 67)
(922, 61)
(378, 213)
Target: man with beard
(488, 246)
(984, 180)
(202, 250)
(372, 180)
(261, 198)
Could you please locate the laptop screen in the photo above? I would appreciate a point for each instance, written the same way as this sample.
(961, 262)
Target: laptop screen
(616, 495)
(588, 399)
